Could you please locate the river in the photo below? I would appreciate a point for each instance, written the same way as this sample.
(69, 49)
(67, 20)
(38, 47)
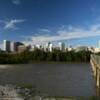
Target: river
(53, 79)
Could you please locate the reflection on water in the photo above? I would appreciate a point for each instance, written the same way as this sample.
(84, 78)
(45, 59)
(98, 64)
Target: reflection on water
(53, 79)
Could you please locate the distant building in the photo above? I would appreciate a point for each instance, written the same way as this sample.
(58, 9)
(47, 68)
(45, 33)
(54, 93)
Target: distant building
(96, 50)
(50, 47)
(16, 46)
(47, 46)
(21, 48)
(62, 46)
(70, 48)
(33, 47)
(81, 48)
(29, 47)
(38, 46)
(7, 46)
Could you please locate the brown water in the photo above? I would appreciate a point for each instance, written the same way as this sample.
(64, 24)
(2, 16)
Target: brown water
(53, 79)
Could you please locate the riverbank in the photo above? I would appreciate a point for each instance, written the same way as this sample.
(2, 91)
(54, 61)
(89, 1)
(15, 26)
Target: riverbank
(43, 62)
(27, 92)
(41, 56)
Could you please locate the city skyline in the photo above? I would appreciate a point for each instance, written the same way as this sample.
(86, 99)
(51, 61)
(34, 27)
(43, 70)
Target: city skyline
(75, 22)
(18, 47)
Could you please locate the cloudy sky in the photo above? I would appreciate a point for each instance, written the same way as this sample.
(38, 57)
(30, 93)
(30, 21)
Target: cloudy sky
(76, 22)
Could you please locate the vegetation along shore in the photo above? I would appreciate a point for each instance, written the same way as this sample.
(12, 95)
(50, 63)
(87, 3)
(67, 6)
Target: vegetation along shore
(42, 56)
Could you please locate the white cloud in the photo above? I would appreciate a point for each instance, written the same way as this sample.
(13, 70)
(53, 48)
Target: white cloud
(12, 23)
(65, 34)
(44, 30)
(16, 2)
(95, 27)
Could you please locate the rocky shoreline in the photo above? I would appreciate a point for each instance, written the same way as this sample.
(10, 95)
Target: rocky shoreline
(26, 92)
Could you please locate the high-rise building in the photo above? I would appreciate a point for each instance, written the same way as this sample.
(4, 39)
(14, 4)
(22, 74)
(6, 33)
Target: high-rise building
(16, 45)
(49, 46)
(7, 46)
(21, 48)
(62, 46)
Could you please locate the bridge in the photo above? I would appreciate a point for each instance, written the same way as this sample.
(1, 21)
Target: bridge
(95, 62)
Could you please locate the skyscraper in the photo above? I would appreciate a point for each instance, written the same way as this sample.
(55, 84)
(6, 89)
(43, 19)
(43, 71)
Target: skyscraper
(7, 47)
(16, 45)
(62, 46)
(49, 46)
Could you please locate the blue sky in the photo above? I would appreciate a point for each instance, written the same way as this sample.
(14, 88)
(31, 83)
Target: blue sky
(76, 22)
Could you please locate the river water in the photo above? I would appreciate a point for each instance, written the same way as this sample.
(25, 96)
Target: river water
(53, 79)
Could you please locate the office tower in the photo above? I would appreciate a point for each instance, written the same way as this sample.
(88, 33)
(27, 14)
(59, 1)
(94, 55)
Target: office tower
(47, 44)
(21, 48)
(16, 45)
(62, 46)
(50, 47)
(7, 46)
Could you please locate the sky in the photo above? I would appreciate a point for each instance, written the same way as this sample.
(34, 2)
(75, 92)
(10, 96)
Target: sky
(75, 22)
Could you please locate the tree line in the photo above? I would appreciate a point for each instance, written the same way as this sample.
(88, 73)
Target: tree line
(40, 55)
